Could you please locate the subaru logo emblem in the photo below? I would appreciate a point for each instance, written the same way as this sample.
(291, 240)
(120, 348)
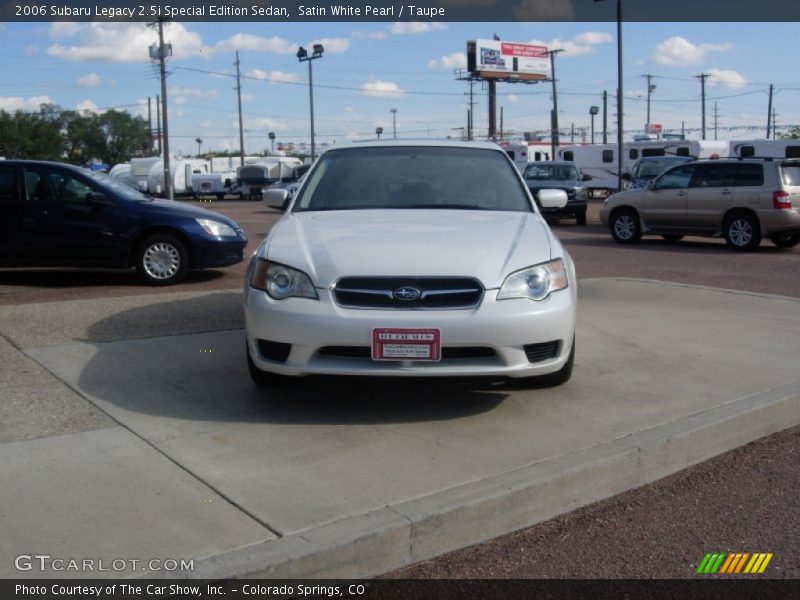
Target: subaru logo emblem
(407, 294)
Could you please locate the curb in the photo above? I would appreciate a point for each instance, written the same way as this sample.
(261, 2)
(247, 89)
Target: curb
(395, 536)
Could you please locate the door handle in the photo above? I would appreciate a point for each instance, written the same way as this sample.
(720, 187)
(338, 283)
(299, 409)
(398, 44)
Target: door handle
(681, 193)
(726, 192)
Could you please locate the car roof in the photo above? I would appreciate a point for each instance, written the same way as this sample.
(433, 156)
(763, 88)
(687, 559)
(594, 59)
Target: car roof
(41, 163)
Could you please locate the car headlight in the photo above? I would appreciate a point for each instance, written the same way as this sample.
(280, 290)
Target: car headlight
(280, 281)
(216, 228)
(536, 282)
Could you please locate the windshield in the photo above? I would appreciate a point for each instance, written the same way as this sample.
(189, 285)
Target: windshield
(119, 188)
(428, 177)
(555, 172)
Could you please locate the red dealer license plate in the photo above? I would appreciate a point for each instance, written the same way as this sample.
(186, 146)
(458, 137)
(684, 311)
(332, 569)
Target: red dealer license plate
(406, 344)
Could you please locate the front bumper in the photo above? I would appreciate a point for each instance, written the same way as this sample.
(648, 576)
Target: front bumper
(209, 253)
(505, 326)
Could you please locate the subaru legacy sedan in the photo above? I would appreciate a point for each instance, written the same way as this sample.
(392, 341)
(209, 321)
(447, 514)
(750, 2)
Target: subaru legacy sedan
(58, 215)
(412, 259)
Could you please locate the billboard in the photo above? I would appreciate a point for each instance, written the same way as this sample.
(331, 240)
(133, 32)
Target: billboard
(494, 59)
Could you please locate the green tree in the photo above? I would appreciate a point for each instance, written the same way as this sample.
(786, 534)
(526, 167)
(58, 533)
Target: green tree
(36, 136)
(792, 134)
(125, 136)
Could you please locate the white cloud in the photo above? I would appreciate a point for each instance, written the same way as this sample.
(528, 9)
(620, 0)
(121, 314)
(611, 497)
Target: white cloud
(456, 60)
(120, 42)
(361, 34)
(414, 27)
(265, 123)
(580, 45)
(61, 29)
(727, 78)
(332, 45)
(255, 43)
(87, 106)
(14, 103)
(593, 37)
(273, 76)
(381, 88)
(90, 80)
(248, 97)
(678, 51)
(512, 98)
(181, 95)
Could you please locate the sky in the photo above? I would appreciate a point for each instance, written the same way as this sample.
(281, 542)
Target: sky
(370, 68)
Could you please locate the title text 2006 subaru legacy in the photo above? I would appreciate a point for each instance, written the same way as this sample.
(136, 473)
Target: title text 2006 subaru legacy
(412, 259)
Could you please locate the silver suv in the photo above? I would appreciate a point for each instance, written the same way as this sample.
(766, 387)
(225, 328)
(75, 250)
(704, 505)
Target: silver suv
(742, 200)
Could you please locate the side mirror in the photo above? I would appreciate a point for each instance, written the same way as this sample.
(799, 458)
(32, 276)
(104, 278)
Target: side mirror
(552, 198)
(228, 183)
(99, 200)
(275, 198)
(586, 177)
(651, 185)
(626, 177)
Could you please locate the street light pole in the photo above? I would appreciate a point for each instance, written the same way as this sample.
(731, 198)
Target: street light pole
(554, 120)
(394, 121)
(593, 110)
(303, 56)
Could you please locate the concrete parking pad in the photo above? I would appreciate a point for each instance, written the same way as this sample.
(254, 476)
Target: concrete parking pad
(106, 495)
(394, 471)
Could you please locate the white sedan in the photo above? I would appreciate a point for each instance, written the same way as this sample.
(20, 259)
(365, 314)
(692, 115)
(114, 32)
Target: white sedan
(412, 259)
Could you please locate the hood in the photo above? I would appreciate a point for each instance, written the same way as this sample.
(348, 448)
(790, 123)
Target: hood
(177, 209)
(624, 196)
(408, 242)
(557, 184)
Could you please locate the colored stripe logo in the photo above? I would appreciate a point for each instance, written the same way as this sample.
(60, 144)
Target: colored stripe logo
(734, 562)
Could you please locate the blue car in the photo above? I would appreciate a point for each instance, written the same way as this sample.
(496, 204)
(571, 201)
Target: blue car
(58, 215)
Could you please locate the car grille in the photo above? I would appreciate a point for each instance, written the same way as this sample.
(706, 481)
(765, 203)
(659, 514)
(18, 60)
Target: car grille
(540, 352)
(434, 292)
(448, 353)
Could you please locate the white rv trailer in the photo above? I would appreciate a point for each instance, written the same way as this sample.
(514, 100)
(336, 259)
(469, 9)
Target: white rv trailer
(600, 160)
(765, 148)
(214, 184)
(181, 170)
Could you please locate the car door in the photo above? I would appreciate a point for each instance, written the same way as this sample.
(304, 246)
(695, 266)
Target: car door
(710, 195)
(9, 212)
(664, 204)
(61, 223)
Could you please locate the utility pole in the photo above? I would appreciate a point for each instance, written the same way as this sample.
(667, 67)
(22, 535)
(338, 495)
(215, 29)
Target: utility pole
(650, 89)
(501, 122)
(716, 120)
(149, 126)
(161, 54)
(769, 111)
(158, 123)
(469, 122)
(554, 134)
(239, 98)
(774, 124)
(394, 121)
(572, 133)
(683, 130)
(702, 77)
(605, 117)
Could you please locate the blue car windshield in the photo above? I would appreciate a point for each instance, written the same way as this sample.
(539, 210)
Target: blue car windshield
(409, 177)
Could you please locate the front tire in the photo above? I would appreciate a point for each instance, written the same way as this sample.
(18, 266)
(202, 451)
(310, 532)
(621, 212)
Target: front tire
(625, 227)
(785, 241)
(742, 232)
(162, 259)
